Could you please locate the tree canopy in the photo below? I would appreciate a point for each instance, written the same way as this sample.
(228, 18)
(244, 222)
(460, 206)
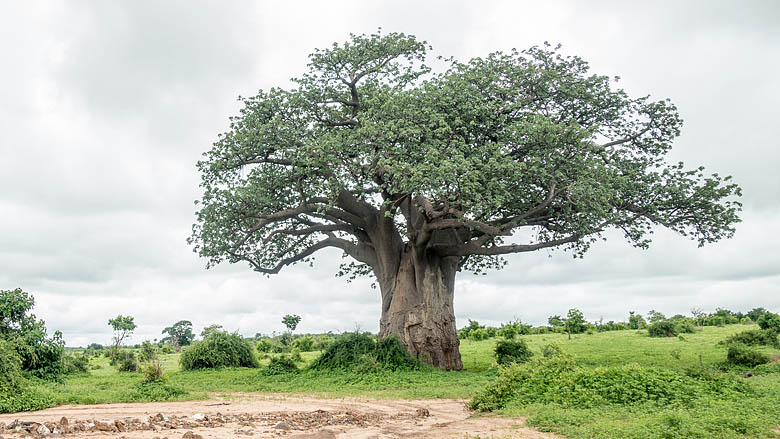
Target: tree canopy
(460, 162)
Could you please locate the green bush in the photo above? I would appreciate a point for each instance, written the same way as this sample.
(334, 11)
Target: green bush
(686, 327)
(559, 380)
(155, 391)
(280, 365)
(351, 350)
(662, 328)
(15, 394)
(512, 351)
(153, 372)
(551, 350)
(219, 349)
(754, 337)
(479, 334)
(305, 343)
(76, 364)
(769, 321)
(743, 355)
(125, 361)
(264, 345)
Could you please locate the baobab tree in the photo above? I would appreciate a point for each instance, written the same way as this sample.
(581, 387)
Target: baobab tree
(417, 175)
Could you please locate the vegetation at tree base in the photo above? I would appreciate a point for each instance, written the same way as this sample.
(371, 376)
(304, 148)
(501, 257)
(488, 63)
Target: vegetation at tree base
(744, 355)
(76, 363)
(219, 349)
(574, 322)
(414, 173)
(769, 321)
(509, 351)
(361, 351)
(40, 355)
(125, 361)
(179, 334)
(16, 395)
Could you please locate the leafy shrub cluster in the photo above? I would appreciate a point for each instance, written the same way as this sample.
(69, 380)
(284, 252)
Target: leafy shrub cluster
(512, 351)
(155, 391)
(670, 328)
(742, 355)
(219, 349)
(359, 352)
(754, 337)
(280, 365)
(40, 355)
(76, 364)
(15, 393)
(559, 380)
(125, 361)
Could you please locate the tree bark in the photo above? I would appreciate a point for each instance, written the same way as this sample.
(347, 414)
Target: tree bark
(417, 306)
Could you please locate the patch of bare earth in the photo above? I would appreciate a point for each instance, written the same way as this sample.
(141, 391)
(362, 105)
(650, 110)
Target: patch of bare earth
(266, 416)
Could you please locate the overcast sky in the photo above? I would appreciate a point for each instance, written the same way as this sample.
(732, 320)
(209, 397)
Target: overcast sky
(106, 106)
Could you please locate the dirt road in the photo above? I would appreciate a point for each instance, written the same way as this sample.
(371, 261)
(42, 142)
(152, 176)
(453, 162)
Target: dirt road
(267, 416)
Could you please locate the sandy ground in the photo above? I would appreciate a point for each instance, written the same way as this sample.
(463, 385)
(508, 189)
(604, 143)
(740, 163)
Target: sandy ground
(267, 416)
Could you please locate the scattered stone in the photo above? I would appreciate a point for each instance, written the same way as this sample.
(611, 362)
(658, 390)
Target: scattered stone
(42, 430)
(120, 426)
(749, 374)
(324, 434)
(191, 435)
(282, 426)
(198, 416)
(63, 421)
(423, 412)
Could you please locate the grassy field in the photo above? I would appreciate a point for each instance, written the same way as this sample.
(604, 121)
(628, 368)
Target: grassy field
(754, 415)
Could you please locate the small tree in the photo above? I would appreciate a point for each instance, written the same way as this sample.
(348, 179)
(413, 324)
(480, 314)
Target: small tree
(698, 315)
(291, 321)
(575, 322)
(555, 321)
(180, 334)
(635, 321)
(655, 316)
(123, 328)
(208, 330)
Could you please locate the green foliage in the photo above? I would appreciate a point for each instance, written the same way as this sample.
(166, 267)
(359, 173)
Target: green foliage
(291, 321)
(754, 337)
(208, 330)
(148, 352)
(125, 361)
(305, 343)
(264, 345)
(511, 330)
(123, 327)
(662, 328)
(40, 355)
(219, 349)
(75, 364)
(153, 372)
(551, 350)
(179, 334)
(559, 380)
(155, 390)
(743, 355)
(512, 351)
(357, 350)
(280, 365)
(636, 321)
(15, 392)
(769, 321)
(479, 334)
(575, 322)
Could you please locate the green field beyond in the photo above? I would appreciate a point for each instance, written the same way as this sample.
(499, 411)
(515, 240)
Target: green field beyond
(755, 414)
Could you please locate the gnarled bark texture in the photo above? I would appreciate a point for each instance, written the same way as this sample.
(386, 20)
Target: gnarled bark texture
(417, 306)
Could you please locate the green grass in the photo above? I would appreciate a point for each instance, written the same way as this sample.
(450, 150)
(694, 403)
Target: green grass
(753, 416)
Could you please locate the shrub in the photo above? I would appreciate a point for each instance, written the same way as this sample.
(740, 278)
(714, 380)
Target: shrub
(686, 327)
(551, 350)
(148, 352)
(76, 364)
(512, 351)
(264, 345)
(662, 328)
(479, 334)
(15, 395)
(559, 380)
(166, 349)
(125, 361)
(219, 349)
(304, 344)
(353, 349)
(743, 355)
(769, 321)
(754, 337)
(155, 391)
(153, 372)
(280, 365)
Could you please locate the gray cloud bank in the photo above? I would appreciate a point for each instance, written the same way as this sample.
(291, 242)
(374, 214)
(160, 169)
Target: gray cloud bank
(107, 107)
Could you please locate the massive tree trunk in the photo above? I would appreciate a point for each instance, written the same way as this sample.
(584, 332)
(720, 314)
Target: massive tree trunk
(417, 306)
